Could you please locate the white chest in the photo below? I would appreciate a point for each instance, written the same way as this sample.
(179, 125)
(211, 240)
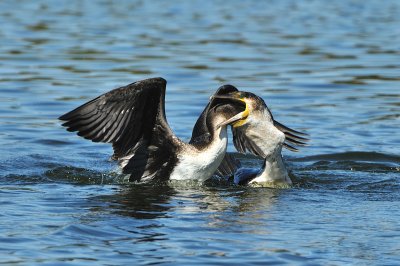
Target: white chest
(201, 165)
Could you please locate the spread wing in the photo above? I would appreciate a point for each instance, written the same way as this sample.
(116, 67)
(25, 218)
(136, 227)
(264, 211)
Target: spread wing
(291, 136)
(244, 144)
(132, 118)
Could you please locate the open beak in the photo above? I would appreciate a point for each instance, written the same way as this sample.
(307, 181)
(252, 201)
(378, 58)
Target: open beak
(232, 120)
(235, 96)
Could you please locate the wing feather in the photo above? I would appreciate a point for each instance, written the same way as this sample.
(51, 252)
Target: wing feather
(132, 118)
(284, 129)
(245, 144)
(112, 127)
(98, 130)
(289, 147)
(118, 125)
(292, 137)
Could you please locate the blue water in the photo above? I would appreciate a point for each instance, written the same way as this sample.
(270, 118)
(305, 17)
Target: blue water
(330, 69)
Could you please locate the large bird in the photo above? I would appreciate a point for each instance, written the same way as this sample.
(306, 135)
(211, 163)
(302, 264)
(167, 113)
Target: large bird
(256, 131)
(132, 118)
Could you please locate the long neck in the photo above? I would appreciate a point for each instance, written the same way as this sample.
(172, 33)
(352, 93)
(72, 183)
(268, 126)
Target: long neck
(273, 173)
(206, 130)
(201, 163)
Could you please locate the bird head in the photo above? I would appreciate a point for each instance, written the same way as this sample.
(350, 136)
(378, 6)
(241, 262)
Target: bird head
(253, 105)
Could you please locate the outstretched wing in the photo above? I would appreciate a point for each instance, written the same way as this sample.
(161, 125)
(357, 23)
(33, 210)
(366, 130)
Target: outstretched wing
(291, 136)
(132, 118)
(243, 143)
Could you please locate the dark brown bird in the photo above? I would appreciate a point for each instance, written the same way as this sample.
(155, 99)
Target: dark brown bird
(132, 118)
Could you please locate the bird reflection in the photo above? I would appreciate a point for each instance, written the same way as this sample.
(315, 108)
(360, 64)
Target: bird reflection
(253, 200)
(247, 212)
(221, 206)
(141, 201)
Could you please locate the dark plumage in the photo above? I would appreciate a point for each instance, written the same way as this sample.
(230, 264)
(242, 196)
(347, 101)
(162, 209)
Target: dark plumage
(133, 119)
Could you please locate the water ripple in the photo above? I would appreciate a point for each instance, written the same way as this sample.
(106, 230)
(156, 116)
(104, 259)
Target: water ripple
(320, 68)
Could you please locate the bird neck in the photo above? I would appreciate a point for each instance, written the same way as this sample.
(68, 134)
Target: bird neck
(273, 173)
(200, 161)
(210, 133)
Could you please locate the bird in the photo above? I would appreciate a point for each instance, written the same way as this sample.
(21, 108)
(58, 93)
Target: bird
(132, 118)
(256, 131)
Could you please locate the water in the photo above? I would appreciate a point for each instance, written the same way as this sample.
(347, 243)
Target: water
(331, 69)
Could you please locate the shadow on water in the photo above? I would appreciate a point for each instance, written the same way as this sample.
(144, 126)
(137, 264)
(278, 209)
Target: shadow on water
(140, 201)
(152, 200)
(179, 207)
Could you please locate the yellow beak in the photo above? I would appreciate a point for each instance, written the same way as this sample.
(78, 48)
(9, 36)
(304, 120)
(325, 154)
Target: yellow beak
(239, 119)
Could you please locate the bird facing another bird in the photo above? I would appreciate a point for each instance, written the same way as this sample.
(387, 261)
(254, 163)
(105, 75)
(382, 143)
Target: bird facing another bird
(132, 118)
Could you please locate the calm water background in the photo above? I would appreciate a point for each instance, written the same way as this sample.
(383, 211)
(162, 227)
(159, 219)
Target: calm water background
(331, 69)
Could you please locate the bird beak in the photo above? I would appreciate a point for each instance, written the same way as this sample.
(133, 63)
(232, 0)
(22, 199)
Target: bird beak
(232, 120)
(235, 120)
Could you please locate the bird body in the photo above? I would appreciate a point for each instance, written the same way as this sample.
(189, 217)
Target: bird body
(258, 133)
(200, 165)
(133, 119)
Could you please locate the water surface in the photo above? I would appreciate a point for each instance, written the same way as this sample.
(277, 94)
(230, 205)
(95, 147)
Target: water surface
(331, 70)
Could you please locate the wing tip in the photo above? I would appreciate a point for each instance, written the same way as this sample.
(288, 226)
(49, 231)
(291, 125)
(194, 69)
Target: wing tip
(290, 148)
(159, 80)
(64, 117)
(292, 136)
(296, 142)
(284, 129)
